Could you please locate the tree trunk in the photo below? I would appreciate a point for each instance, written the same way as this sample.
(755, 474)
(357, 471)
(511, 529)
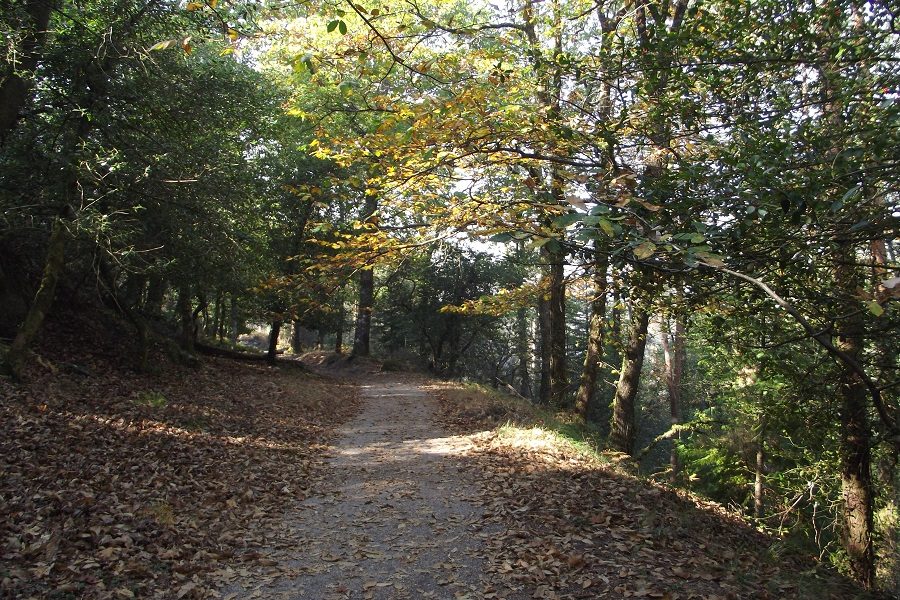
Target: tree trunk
(202, 305)
(129, 303)
(362, 333)
(274, 333)
(855, 431)
(56, 250)
(615, 328)
(235, 320)
(156, 293)
(885, 356)
(552, 310)
(587, 388)
(522, 352)
(296, 340)
(133, 292)
(856, 467)
(320, 338)
(363, 330)
(339, 332)
(43, 299)
(453, 344)
(216, 328)
(207, 320)
(543, 309)
(674, 356)
(760, 474)
(622, 427)
(559, 375)
(187, 318)
(437, 356)
(18, 79)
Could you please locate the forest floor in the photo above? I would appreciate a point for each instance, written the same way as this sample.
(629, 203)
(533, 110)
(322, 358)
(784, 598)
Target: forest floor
(119, 484)
(231, 480)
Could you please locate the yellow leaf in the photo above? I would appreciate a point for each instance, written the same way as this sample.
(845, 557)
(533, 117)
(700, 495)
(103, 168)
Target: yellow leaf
(192, 6)
(233, 35)
(710, 259)
(164, 45)
(644, 250)
(648, 205)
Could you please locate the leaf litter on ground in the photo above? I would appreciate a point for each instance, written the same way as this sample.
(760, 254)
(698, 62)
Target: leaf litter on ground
(578, 524)
(115, 484)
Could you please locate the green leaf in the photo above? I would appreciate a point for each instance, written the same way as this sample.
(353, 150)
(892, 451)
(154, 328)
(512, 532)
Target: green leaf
(342, 27)
(850, 194)
(603, 223)
(875, 308)
(332, 25)
(713, 260)
(501, 238)
(553, 245)
(860, 225)
(303, 63)
(607, 227)
(566, 220)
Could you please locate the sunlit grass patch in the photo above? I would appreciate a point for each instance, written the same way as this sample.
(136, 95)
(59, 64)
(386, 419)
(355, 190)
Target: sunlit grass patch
(151, 398)
(519, 423)
(552, 434)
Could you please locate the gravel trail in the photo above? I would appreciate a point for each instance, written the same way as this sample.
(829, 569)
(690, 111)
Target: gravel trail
(395, 517)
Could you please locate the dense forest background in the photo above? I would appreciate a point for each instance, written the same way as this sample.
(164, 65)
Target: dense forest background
(674, 218)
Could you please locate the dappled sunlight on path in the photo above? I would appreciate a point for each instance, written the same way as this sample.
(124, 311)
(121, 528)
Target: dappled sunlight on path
(397, 518)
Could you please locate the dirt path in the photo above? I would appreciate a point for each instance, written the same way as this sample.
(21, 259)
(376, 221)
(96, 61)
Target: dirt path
(395, 518)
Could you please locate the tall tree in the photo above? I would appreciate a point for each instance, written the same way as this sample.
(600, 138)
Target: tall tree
(622, 427)
(587, 388)
(366, 300)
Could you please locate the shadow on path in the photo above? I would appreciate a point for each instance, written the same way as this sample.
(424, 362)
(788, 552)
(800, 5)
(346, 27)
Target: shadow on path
(397, 518)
